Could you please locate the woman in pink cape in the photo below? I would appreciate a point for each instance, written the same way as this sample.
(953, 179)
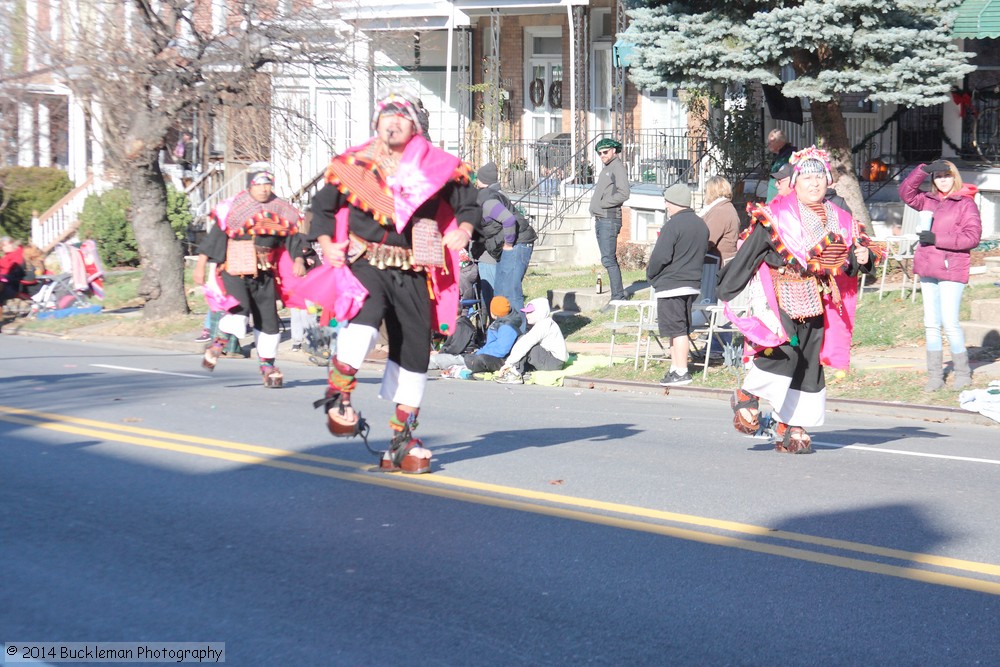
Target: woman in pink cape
(409, 209)
(798, 261)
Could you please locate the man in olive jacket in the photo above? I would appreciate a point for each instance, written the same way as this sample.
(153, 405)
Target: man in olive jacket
(610, 192)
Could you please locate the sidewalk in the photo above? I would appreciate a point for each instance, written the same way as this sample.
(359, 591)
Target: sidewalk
(898, 359)
(910, 358)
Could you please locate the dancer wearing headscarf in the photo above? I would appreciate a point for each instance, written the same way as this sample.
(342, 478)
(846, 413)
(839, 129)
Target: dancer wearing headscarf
(250, 233)
(798, 260)
(396, 210)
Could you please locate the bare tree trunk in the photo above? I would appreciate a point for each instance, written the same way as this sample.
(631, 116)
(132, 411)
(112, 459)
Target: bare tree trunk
(828, 121)
(161, 260)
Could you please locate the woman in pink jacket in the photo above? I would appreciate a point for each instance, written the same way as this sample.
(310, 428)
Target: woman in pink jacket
(942, 261)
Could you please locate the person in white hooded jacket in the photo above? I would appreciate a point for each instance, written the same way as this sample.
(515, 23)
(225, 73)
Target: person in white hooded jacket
(542, 348)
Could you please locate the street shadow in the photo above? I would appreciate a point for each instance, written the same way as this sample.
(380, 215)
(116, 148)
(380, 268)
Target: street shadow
(895, 526)
(502, 442)
(859, 437)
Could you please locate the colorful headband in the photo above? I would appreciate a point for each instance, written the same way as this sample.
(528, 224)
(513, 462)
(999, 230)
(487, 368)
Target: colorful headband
(398, 103)
(811, 160)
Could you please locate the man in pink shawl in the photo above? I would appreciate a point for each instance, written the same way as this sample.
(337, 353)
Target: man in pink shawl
(255, 225)
(396, 210)
(796, 268)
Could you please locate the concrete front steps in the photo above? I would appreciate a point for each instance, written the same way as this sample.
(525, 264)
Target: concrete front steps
(570, 243)
(580, 299)
(983, 330)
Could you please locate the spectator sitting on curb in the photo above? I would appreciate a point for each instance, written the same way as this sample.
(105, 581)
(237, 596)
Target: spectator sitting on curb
(500, 337)
(542, 348)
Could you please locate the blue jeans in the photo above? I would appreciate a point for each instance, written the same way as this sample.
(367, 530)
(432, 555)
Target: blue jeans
(942, 299)
(510, 274)
(487, 281)
(607, 241)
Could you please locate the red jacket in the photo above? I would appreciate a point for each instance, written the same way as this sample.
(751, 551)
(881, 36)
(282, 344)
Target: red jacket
(957, 229)
(12, 265)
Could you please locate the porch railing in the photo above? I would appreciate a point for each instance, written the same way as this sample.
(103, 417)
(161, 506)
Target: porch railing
(60, 222)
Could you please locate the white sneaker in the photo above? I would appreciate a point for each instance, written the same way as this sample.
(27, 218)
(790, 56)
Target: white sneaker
(510, 377)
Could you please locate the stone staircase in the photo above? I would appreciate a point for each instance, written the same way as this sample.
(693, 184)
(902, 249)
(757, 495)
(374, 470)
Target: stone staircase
(983, 329)
(570, 243)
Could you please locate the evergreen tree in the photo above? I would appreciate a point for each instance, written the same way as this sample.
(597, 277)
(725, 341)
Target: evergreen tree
(894, 51)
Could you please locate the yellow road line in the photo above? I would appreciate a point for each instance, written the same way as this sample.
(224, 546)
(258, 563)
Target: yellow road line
(433, 485)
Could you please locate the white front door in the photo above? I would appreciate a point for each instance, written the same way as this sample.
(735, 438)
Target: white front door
(542, 99)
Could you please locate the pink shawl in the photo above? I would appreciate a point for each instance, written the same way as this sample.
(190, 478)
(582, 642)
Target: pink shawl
(423, 170)
(782, 216)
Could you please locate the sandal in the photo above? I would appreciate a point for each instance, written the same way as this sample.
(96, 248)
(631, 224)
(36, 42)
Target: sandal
(402, 459)
(746, 412)
(211, 357)
(272, 376)
(342, 420)
(792, 440)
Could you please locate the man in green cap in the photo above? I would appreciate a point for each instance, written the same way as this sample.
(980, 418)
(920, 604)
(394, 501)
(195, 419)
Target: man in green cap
(610, 192)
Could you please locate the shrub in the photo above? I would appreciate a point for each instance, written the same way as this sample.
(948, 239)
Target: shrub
(30, 189)
(633, 256)
(107, 218)
(178, 212)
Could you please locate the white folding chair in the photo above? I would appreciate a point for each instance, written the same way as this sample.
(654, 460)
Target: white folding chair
(899, 249)
(629, 318)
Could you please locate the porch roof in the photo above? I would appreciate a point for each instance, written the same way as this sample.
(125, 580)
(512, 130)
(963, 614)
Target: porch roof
(440, 14)
(978, 19)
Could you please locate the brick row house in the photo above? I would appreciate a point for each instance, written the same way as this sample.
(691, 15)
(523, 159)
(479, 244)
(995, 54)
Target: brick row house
(530, 84)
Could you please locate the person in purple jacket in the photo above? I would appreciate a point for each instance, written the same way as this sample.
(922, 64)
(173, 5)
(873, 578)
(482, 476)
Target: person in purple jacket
(942, 261)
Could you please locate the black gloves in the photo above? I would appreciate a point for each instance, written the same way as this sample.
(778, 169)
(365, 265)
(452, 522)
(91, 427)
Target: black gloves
(937, 165)
(927, 238)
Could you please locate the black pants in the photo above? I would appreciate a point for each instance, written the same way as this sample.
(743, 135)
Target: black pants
(258, 298)
(401, 300)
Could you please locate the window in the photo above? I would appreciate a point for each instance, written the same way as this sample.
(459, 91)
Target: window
(646, 225)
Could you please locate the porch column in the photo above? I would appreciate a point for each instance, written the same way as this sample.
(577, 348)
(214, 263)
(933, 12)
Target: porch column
(951, 126)
(44, 136)
(25, 134)
(76, 144)
(97, 140)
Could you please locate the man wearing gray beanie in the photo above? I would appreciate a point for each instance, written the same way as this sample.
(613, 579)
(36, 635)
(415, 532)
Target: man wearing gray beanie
(674, 271)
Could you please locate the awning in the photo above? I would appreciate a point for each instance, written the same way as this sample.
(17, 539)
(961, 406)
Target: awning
(978, 19)
(623, 50)
(621, 55)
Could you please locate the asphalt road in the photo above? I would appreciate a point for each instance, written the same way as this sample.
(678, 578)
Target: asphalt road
(142, 499)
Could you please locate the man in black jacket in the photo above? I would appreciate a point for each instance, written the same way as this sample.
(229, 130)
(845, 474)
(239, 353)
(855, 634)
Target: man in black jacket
(674, 271)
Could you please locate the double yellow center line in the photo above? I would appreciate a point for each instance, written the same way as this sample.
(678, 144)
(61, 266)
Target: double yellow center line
(926, 568)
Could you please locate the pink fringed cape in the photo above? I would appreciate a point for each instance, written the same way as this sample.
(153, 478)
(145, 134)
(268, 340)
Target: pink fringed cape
(782, 215)
(423, 170)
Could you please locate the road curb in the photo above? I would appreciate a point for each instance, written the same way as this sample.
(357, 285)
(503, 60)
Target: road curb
(928, 413)
(909, 411)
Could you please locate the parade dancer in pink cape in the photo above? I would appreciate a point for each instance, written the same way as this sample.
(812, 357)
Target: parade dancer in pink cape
(396, 211)
(798, 261)
(248, 237)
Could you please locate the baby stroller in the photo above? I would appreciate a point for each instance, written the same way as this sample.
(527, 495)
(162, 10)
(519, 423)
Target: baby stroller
(321, 340)
(67, 293)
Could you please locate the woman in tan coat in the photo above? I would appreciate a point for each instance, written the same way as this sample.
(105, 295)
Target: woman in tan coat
(721, 217)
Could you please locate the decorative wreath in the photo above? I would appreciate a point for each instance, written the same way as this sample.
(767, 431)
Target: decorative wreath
(536, 91)
(555, 95)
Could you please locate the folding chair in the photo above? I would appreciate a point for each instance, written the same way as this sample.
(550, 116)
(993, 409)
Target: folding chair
(629, 318)
(899, 249)
(700, 314)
